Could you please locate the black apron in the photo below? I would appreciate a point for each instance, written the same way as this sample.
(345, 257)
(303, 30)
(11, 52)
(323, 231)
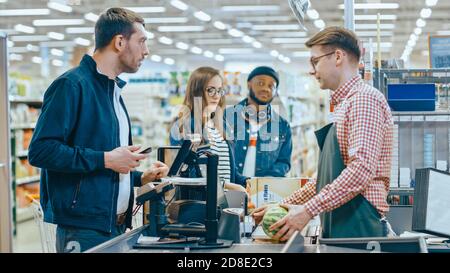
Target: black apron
(356, 218)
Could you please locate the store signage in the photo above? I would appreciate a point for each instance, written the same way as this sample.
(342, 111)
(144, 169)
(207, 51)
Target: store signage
(439, 47)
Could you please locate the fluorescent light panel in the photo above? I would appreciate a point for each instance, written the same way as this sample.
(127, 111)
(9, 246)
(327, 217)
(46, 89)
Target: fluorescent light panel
(91, 17)
(179, 5)
(276, 27)
(166, 20)
(202, 16)
(82, 41)
(235, 50)
(55, 35)
(250, 8)
(147, 9)
(24, 28)
(29, 38)
(59, 6)
(180, 28)
(24, 12)
(58, 22)
(80, 30)
(213, 41)
(266, 18)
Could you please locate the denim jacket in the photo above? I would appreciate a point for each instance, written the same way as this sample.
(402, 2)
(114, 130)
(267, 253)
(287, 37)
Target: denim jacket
(273, 150)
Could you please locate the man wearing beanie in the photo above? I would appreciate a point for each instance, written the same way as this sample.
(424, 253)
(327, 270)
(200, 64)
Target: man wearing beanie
(262, 138)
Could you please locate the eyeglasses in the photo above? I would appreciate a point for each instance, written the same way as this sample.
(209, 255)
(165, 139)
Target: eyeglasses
(315, 60)
(212, 91)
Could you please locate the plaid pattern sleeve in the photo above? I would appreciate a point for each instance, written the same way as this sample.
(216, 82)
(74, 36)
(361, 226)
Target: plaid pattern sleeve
(364, 127)
(302, 195)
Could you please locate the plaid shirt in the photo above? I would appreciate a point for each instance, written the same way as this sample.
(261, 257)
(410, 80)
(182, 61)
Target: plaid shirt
(364, 128)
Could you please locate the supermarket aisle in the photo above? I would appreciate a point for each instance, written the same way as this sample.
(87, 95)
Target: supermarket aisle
(27, 239)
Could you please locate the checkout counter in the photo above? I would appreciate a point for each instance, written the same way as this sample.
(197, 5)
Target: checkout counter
(234, 229)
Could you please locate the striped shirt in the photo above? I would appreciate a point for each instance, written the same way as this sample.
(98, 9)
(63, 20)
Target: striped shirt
(220, 147)
(364, 127)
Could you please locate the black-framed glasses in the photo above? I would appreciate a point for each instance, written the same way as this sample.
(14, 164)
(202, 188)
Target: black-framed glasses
(315, 60)
(212, 91)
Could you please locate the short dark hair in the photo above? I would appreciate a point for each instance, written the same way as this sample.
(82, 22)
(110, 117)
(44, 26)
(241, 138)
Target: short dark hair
(337, 37)
(115, 21)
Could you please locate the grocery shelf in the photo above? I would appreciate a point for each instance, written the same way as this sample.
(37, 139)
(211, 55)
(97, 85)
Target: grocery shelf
(401, 191)
(27, 180)
(24, 214)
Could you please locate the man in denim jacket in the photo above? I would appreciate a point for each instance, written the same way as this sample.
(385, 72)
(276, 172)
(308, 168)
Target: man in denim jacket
(254, 120)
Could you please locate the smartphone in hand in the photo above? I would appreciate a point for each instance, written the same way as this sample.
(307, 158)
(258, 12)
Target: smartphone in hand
(146, 151)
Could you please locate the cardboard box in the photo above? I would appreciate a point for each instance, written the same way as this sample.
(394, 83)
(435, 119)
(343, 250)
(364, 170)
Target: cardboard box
(264, 190)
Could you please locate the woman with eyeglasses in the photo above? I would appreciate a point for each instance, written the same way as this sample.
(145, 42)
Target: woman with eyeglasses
(202, 112)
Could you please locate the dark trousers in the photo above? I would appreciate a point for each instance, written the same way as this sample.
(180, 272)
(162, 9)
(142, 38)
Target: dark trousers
(75, 240)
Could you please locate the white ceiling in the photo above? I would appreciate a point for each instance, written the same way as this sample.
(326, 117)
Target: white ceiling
(289, 42)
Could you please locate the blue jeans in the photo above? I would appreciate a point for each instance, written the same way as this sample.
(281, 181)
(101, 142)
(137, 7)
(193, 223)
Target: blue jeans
(75, 240)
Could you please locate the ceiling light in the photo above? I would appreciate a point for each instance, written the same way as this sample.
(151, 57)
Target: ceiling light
(59, 7)
(235, 51)
(219, 25)
(55, 35)
(219, 58)
(288, 34)
(31, 47)
(208, 54)
(165, 40)
(213, 41)
(281, 57)
(15, 57)
(289, 40)
(247, 39)
(150, 35)
(202, 16)
(266, 18)
(155, 58)
(80, 30)
(57, 63)
(417, 31)
(36, 59)
(182, 45)
(276, 27)
(235, 33)
(421, 23)
(56, 52)
(29, 38)
(82, 41)
(24, 28)
(411, 43)
(168, 20)
(169, 61)
(413, 37)
(431, 3)
(274, 53)
(319, 24)
(287, 60)
(196, 50)
(179, 5)
(256, 44)
(373, 6)
(91, 17)
(312, 14)
(425, 13)
(375, 17)
(58, 22)
(58, 44)
(147, 9)
(251, 8)
(24, 12)
(180, 28)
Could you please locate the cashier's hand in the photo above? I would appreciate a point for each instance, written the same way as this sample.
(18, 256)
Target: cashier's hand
(296, 219)
(258, 214)
(123, 159)
(156, 171)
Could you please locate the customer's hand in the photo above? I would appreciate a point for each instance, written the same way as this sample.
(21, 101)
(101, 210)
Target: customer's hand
(156, 171)
(123, 159)
(258, 214)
